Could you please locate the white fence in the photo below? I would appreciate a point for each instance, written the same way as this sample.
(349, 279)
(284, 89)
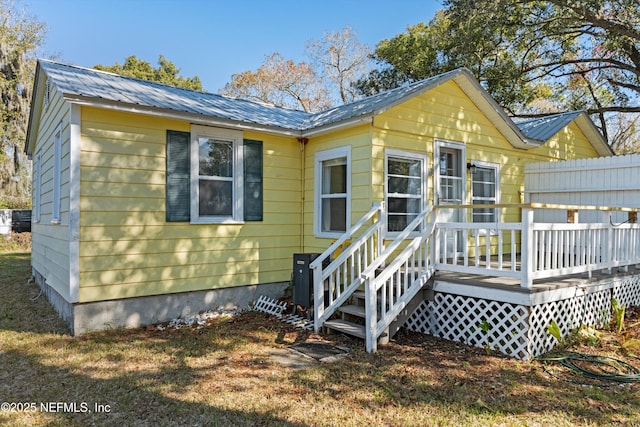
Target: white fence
(606, 181)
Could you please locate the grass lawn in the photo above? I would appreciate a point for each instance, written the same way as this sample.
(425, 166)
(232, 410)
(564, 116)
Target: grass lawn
(223, 374)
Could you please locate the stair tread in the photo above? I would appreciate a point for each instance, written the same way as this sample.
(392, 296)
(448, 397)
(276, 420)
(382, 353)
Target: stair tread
(358, 294)
(355, 310)
(346, 327)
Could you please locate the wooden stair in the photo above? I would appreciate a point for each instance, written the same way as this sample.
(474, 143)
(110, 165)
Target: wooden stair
(352, 317)
(353, 313)
(346, 327)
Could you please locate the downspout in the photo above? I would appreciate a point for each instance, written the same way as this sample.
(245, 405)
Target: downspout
(303, 142)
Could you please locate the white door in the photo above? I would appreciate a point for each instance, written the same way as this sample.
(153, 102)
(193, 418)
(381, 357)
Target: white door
(450, 178)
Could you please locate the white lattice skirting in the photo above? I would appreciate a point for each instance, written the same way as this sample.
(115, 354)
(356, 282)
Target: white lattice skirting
(517, 330)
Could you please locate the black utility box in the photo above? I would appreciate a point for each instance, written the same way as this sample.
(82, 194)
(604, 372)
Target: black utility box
(303, 279)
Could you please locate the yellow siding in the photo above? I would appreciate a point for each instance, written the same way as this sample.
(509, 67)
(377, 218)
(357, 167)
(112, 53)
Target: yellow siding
(50, 246)
(446, 113)
(359, 139)
(127, 248)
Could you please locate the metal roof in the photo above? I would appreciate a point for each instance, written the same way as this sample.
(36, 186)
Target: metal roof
(86, 85)
(90, 83)
(544, 128)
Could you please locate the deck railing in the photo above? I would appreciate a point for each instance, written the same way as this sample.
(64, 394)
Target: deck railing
(532, 250)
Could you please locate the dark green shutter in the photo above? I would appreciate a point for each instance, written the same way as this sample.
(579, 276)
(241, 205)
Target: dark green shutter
(252, 180)
(178, 176)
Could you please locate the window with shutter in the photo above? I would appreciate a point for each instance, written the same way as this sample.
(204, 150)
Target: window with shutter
(213, 176)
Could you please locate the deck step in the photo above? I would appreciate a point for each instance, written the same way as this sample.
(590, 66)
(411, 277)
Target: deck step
(354, 310)
(345, 327)
(358, 295)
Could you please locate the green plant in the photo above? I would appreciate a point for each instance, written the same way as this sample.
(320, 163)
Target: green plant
(554, 330)
(485, 327)
(618, 314)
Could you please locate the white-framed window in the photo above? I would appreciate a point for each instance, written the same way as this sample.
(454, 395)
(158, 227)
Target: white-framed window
(485, 190)
(405, 187)
(57, 174)
(332, 192)
(216, 175)
(37, 186)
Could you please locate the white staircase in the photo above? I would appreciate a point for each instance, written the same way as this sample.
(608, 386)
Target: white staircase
(369, 290)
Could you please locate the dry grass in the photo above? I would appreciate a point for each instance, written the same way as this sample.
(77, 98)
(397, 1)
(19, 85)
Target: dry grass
(223, 374)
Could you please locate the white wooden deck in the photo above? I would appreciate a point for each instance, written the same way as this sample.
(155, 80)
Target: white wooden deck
(521, 264)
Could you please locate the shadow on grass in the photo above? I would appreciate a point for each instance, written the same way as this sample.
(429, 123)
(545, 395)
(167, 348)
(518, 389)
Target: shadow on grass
(32, 381)
(442, 374)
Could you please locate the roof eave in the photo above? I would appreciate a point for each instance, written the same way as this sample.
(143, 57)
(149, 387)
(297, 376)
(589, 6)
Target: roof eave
(34, 112)
(343, 124)
(194, 118)
(592, 133)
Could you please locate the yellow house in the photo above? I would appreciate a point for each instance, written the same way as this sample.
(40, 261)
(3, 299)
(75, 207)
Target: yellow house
(152, 202)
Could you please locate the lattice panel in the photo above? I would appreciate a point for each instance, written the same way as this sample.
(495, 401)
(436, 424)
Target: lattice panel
(474, 321)
(627, 292)
(591, 310)
(518, 331)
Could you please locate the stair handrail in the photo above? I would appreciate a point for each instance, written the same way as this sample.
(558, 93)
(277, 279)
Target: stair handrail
(319, 273)
(372, 327)
(377, 328)
(391, 247)
(375, 208)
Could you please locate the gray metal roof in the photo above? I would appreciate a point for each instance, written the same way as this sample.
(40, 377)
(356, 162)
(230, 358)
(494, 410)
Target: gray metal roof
(85, 82)
(543, 128)
(89, 83)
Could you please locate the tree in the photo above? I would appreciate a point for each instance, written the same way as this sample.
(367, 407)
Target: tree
(340, 59)
(166, 73)
(335, 64)
(533, 56)
(280, 82)
(20, 36)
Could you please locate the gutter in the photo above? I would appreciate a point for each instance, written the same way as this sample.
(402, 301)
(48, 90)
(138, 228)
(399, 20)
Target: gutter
(173, 114)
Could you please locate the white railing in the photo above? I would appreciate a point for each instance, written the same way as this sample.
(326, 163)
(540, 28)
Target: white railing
(561, 249)
(390, 291)
(343, 275)
(528, 250)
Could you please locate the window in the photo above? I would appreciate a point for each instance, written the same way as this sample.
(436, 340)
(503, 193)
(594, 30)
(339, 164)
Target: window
(216, 175)
(333, 183)
(485, 182)
(57, 172)
(179, 185)
(405, 188)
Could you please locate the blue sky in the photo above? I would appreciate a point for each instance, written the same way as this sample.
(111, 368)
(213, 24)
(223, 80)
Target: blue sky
(212, 39)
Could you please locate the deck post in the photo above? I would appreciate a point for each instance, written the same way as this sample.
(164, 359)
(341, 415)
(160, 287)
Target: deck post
(318, 298)
(370, 315)
(608, 256)
(528, 252)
